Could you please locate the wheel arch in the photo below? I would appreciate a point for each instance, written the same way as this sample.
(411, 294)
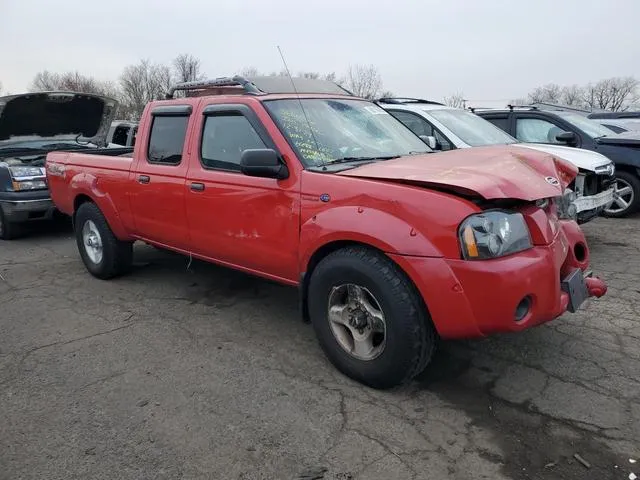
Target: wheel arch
(106, 207)
(322, 252)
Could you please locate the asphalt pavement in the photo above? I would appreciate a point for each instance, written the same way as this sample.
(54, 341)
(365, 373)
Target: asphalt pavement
(182, 371)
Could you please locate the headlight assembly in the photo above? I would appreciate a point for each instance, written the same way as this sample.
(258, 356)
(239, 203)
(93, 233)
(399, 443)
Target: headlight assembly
(18, 172)
(493, 234)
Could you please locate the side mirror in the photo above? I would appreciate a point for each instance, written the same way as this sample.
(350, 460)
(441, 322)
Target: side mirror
(570, 138)
(263, 162)
(430, 141)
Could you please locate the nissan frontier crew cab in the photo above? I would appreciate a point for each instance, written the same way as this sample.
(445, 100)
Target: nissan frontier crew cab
(390, 246)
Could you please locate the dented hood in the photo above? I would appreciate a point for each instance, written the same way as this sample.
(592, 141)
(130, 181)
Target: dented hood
(55, 115)
(491, 172)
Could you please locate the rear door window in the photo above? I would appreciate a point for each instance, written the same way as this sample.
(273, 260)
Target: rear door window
(166, 141)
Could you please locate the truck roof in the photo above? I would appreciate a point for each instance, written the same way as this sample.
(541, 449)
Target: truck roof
(258, 86)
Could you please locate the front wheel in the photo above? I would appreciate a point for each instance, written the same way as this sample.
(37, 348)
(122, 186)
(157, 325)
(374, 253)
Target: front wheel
(102, 253)
(8, 230)
(626, 197)
(369, 318)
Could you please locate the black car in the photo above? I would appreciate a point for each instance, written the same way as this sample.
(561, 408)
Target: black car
(536, 125)
(31, 125)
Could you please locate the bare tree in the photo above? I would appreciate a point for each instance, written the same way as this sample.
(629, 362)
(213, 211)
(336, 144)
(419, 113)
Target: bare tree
(187, 68)
(456, 100)
(615, 94)
(550, 93)
(72, 82)
(142, 83)
(572, 96)
(44, 81)
(364, 81)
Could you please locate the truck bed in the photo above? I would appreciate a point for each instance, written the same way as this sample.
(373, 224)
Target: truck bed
(107, 168)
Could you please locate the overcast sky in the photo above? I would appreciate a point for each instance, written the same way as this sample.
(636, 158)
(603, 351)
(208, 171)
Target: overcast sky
(488, 49)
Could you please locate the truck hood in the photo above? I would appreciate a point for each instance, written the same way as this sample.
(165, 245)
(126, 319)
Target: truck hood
(584, 159)
(627, 139)
(56, 116)
(492, 172)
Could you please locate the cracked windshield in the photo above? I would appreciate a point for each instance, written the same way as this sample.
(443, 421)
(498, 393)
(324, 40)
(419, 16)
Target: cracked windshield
(326, 131)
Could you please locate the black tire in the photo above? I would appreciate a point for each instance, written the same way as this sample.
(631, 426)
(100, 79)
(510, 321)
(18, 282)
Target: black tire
(8, 230)
(117, 256)
(410, 337)
(634, 205)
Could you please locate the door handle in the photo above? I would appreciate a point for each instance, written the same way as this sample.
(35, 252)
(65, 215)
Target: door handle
(197, 187)
(143, 179)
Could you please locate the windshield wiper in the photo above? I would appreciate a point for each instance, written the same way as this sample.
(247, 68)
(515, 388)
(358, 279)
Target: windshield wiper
(361, 159)
(62, 146)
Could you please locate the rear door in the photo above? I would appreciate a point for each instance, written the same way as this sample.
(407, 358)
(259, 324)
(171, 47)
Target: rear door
(249, 222)
(158, 183)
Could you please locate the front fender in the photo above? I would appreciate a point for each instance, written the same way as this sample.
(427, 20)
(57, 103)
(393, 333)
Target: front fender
(86, 184)
(374, 227)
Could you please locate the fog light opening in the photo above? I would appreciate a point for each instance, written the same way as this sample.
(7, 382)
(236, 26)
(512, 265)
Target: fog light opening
(580, 251)
(523, 308)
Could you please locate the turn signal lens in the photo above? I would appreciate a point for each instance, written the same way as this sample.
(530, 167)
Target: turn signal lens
(470, 242)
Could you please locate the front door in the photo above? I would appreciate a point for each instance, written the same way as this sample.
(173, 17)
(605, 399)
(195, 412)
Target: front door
(157, 193)
(248, 222)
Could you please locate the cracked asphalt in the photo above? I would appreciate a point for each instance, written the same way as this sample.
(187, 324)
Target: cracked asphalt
(201, 372)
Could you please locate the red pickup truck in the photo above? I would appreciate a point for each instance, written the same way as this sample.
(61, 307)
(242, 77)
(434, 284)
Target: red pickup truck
(298, 181)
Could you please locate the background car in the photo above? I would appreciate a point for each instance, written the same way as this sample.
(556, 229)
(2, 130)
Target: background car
(447, 128)
(553, 126)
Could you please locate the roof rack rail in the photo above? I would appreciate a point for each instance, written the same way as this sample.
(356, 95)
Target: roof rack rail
(235, 81)
(473, 109)
(558, 107)
(530, 107)
(406, 100)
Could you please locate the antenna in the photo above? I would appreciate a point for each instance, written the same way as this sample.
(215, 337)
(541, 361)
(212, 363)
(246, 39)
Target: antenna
(299, 100)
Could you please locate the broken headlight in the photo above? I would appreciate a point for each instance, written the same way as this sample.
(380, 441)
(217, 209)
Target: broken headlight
(566, 206)
(493, 234)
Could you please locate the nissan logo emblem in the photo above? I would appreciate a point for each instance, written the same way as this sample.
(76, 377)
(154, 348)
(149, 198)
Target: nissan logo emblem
(552, 180)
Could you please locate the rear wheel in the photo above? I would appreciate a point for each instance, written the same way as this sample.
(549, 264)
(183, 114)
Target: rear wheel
(8, 230)
(626, 197)
(103, 254)
(369, 318)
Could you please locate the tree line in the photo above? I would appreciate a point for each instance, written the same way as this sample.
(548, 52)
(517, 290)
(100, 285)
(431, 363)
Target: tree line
(145, 81)
(616, 94)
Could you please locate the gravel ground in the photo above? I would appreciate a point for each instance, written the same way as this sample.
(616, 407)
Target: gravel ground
(201, 372)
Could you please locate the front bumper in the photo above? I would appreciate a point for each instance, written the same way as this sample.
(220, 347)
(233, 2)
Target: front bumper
(477, 298)
(594, 202)
(25, 206)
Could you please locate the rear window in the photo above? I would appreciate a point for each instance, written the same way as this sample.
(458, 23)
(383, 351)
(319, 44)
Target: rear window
(167, 139)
